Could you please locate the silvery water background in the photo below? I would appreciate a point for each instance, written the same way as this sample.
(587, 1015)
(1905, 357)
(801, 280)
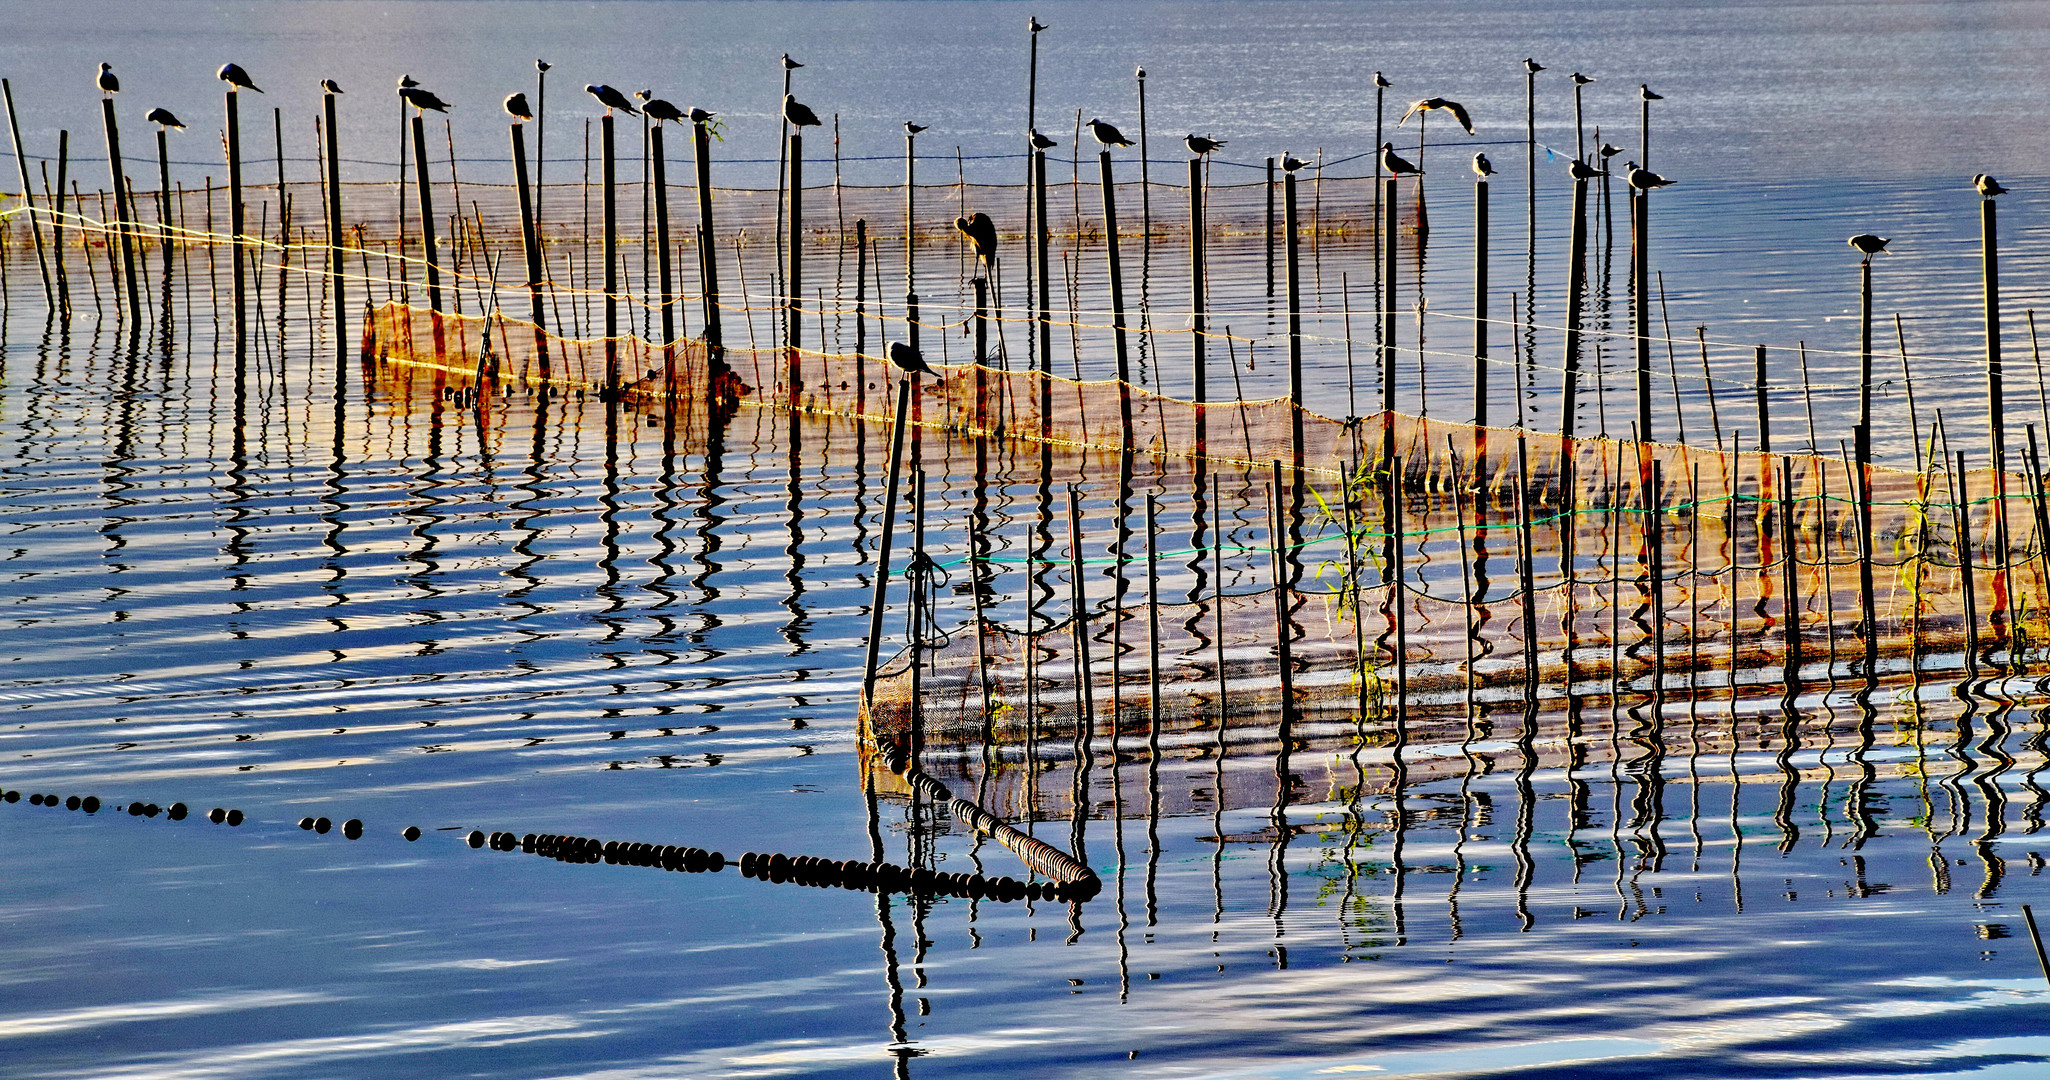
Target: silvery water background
(420, 615)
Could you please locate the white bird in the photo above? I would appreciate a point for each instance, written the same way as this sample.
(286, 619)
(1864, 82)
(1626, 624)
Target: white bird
(1643, 179)
(1396, 165)
(1108, 135)
(1291, 163)
(331, 86)
(1531, 65)
(1644, 92)
(1988, 186)
(1581, 80)
(1457, 110)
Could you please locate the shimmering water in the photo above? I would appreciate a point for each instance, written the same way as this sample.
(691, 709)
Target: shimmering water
(298, 592)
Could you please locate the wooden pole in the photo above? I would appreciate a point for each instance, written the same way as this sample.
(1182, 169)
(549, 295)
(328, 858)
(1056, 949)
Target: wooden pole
(1861, 497)
(530, 239)
(1153, 625)
(1197, 313)
(28, 198)
(1480, 303)
(1960, 496)
(906, 384)
(1526, 570)
(708, 260)
(1270, 226)
(427, 245)
(1862, 442)
(1790, 598)
(1640, 263)
(662, 260)
(336, 267)
(1042, 239)
(609, 204)
(1576, 291)
(235, 216)
(1764, 414)
(1079, 623)
(793, 328)
(1283, 647)
(1117, 289)
(123, 212)
(1399, 600)
(1292, 244)
(1388, 255)
(164, 197)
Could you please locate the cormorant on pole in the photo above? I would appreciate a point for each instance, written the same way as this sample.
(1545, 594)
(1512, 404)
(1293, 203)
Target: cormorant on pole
(234, 76)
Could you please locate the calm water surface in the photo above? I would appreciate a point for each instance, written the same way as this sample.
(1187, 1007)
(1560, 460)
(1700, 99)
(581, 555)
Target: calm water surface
(301, 593)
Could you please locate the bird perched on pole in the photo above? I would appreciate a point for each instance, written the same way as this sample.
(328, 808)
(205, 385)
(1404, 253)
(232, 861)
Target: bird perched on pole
(1040, 142)
(1988, 187)
(908, 359)
(1607, 151)
(1395, 164)
(1035, 25)
(1644, 93)
(516, 107)
(1108, 135)
(330, 86)
(1869, 245)
(1643, 179)
(1531, 65)
(1582, 80)
(1200, 145)
(699, 116)
(659, 111)
(162, 118)
(406, 81)
(789, 64)
(234, 76)
(423, 99)
(798, 113)
(1482, 167)
(913, 129)
(1457, 110)
(108, 83)
(980, 231)
(1291, 163)
(1581, 170)
(611, 99)
(542, 66)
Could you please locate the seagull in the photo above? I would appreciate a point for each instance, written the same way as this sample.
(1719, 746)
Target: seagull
(516, 107)
(1644, 92)
(423, 99)
(1581, 80)
(1291, 163)
(108, 83)
(699, 116)
(234, 76)
(542, 65)
(1457, 110)
(1040, 142)
(1607, 151)
(407, 81)
(1532, 66)
(1036, 26)
(1869, 244)
(162, 118)
(789, 64)
(611, 99)
(1643, 179)
(982, 232)
(1581, 170)
(907, 359)
(1381, 81)
(331, 86)
(660, 110)
(1200, 144)
(913, 129)
(1482, 167)
(1988, 186)
(1395, 165)
(1108, 135)
(798, 113)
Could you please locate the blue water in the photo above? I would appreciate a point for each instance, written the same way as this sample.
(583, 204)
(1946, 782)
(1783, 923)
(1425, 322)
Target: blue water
(308, 596)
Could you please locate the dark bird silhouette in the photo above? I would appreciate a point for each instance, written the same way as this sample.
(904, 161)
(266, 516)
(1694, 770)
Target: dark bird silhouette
(1200, 144)
(789, 64)
(1869, 245)
(912, 129)
(1988, 186)
(331, 86)
(516, 107)
(644, 95)
(798, 113)
(1457, 110)
(406, 81)
(1644, 92)
(542, 66)
(1381, 81)
(611, 99)
(1035, 25)
(108, 83)
(1108, 135)
(1139, 73)
(1643, 179)
(1607, 151)
(699, 116)
(660, 110)
(1395, 164)
(1581, 170)
(982, 232)
(907, 359)
(1482, 167)
(1581, 80)
(162, 118)
(1532, 65)
(423, 99)
(234, 76)
(1040, 142)
(1291, 163)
